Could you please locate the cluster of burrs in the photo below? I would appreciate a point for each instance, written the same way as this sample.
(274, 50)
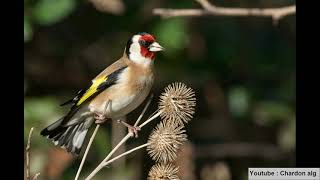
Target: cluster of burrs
(177, 108)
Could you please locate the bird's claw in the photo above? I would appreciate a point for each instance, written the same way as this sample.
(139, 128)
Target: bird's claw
(133, 130)
(100, 118)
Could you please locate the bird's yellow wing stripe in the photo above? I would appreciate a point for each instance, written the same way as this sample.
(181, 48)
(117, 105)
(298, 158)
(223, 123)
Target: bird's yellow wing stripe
(92, 89)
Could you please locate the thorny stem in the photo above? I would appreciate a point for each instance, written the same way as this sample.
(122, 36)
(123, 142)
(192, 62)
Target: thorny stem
(125, 153)
(86, 152)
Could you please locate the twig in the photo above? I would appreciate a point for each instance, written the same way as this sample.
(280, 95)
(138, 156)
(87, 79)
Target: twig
(101, 165)
(28, 157)
(210, 9)
(125, 153)
(150, 119)
(87, 150)
(28, 154)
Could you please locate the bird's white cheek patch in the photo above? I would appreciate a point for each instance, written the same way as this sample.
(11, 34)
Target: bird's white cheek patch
(135, 48)
(135, 53)
(136, 38)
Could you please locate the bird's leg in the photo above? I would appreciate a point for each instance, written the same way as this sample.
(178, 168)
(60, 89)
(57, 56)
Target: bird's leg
(101, 117)
(132, 129)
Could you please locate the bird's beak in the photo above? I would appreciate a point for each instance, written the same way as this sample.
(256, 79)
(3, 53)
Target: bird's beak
(154, 47)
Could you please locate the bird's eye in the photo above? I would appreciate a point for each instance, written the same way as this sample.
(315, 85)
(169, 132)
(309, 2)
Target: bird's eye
(144, 43)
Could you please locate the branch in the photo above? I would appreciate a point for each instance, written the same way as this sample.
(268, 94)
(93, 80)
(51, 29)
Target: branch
(209, 9)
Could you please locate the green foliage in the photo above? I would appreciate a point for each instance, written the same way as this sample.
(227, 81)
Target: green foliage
(38, 113)
(238, 101)
(103, 143)
(41, 109)
(269, 113)
(47, 12)
(27, 32)
(172, 33)
(287, 135)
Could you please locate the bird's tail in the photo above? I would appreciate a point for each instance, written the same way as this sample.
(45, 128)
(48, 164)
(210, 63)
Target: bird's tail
(70, 135)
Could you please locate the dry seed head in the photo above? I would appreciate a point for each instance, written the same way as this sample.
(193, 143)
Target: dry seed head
(165, 141)
(163, 172)
(177, 103)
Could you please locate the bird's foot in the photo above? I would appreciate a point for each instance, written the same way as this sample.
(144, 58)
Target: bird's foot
(100, 118)
(133, 130)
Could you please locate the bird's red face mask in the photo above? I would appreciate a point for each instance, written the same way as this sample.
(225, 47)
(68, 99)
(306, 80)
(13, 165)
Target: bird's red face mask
(142, 47)
(149, 46)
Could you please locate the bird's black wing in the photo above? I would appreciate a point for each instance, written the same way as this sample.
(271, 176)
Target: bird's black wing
(97, 86)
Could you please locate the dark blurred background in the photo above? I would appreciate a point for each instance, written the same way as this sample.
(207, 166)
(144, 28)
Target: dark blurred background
(241, 68)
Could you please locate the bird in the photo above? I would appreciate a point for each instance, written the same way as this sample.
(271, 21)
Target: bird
(112, 94)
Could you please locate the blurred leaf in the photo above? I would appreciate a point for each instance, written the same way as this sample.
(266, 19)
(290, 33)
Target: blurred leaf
(110, 6)
(103, 143)
(217, 171)
(37, 141)
(37, 161)
(287, 136)
(25, 87)
(238, 101)
(269, 113)
(27, 32)
(47, 12)
(58, 160)
(40, 109)
(38, 113)
(172, 34)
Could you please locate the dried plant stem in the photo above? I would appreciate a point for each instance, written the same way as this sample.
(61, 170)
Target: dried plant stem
(28, 154)
(102, 164)
(126, 153)
(87, 150)
(28, 158)
(211, 9)
(150, 119)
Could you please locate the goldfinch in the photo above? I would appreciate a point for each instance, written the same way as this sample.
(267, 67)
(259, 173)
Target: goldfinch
(114, 93)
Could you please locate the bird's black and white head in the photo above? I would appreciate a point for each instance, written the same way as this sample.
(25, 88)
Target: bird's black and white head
(142, 48)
